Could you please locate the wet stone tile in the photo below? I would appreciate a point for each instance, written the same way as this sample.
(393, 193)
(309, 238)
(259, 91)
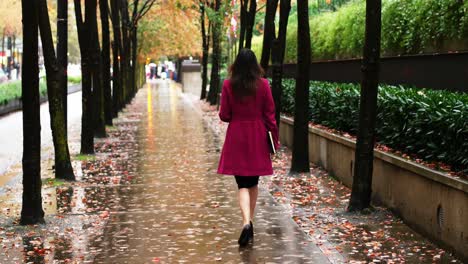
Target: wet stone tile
(151, 195)
(177, 209)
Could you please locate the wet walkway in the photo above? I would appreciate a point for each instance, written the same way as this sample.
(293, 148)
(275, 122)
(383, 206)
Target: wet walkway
(11, 135)
(151, 195)
(177, 209)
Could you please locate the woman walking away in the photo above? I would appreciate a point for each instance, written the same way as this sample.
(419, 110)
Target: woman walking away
(247, 104)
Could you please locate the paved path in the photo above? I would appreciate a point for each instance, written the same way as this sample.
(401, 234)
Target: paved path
(11, 134)
(179, 209)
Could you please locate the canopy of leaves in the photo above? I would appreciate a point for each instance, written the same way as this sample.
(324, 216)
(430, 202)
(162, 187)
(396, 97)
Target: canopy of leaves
(10, 17)
(171, 28)
(10, 24)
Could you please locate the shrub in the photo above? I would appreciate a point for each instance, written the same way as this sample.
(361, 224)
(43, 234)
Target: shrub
(257, 42)
(430, 124)
(12, 90)
(408, 27)
(223, 73)
(423, 26)
(74, 79)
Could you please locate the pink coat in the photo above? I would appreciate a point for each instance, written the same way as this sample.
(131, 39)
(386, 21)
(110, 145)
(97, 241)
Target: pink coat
(246, 151)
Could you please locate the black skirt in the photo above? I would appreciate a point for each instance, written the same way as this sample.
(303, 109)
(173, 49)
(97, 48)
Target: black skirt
(246, 181)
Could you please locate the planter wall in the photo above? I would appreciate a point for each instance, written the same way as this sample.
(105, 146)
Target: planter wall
(430, 202)
(16, 104)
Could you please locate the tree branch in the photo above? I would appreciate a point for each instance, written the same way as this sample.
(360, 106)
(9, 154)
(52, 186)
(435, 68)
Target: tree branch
(79, 20)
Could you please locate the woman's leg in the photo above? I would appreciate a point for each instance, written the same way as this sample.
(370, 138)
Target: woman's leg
(244, 203)
(253, 194)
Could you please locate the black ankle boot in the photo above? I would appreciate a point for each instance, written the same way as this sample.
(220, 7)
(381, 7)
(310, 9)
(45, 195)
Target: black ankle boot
(245, 235)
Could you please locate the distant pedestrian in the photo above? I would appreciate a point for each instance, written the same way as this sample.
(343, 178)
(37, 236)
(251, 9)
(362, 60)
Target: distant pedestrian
(247, 104)
(152, 67)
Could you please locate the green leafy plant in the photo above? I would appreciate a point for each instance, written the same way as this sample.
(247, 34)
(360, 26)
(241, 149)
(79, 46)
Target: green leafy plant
(74, 79)
(433, 125)
(408, 27)
(12, 90)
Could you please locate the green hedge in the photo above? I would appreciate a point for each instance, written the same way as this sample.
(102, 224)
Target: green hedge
(12, 90)
(408, 27)
(74, 79)
(433, 125)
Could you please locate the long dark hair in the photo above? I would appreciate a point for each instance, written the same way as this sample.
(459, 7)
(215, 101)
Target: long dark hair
(245, 73)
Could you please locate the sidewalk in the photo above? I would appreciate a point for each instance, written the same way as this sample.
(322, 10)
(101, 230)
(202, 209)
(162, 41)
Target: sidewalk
(152, 195)
(11, 134)
(179, 210)
(317, 203)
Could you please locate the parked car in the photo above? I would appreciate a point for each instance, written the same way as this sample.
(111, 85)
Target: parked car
(3, 76)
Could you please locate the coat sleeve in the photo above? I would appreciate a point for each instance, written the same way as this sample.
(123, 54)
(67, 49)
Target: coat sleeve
(269, 114)
(225, 110)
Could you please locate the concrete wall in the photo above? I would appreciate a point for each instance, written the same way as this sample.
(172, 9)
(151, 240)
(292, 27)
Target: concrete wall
(191, 83)
(430, 202)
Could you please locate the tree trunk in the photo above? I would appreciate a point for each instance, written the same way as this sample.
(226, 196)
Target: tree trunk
(117, 90)
(54, 71)
(278, 57)
(300, 155)
(216, 59)
(134, 60)
(179, 69)
(250, 23)
(13, 53)
(31, 211)
(243, 24)
(3, 49)
(62, 50)
(106, 63)
(125, 54)
(116, 86)
(269, 33)
(285, 8)
(277, 75)
(205, 48)
(134, 41)
(84, 38)
(9, 68)
(362, 179)
(95, 55)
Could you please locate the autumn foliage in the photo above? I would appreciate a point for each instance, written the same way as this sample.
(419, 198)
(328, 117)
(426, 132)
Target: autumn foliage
(170, 28)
